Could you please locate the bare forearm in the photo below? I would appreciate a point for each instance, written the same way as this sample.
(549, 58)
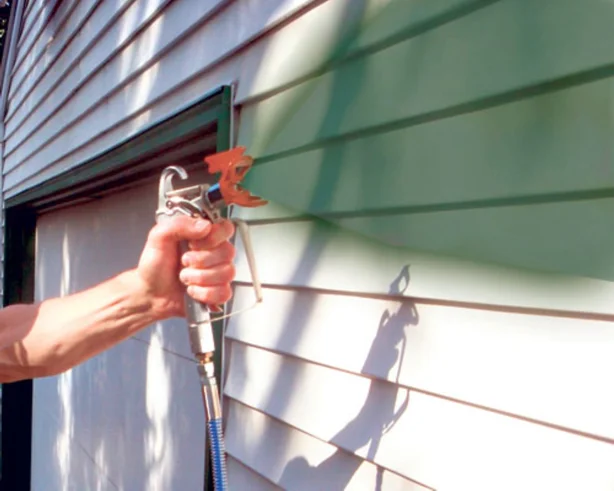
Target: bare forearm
(59, 333)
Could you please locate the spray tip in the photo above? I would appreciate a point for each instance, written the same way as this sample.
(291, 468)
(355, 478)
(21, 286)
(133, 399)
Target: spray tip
(233, 165)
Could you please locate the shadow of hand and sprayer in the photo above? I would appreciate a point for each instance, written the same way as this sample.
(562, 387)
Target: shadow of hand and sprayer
(380, 411)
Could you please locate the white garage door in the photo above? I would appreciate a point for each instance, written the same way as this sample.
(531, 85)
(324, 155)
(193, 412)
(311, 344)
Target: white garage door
(132, 417)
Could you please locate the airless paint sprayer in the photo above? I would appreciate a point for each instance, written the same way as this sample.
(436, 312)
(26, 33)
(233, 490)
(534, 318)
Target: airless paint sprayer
(207, 201)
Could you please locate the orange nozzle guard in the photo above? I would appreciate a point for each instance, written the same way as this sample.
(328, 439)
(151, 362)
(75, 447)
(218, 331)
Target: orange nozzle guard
(233, 165)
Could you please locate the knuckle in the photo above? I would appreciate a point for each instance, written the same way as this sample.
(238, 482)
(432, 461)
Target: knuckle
(205, 277)
(228, 229)
(193, 292)
(197, 259)
(211, 295)
(227, 251)
(224, 274)
(189, 276)
(157, 232)
(217, 237)
(166, 229)
(231, 271)
(198, 293)
(223, 294)
(195, 245)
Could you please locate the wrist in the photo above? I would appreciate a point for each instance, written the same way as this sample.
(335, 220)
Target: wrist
(138, 294)
(145, 298)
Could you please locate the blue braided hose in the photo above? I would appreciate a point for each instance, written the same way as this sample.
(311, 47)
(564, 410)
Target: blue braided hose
(218, 454)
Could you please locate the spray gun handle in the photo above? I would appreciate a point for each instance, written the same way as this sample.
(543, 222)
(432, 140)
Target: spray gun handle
(197, 313)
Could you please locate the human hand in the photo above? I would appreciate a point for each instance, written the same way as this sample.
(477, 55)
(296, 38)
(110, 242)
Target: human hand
(206, 269)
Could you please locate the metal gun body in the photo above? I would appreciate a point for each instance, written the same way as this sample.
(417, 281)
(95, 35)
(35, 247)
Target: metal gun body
(198, 315)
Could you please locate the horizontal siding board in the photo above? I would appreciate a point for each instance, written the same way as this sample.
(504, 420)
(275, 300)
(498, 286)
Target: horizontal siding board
(396, 20)
(298, 461)
(51, 143)
(346, 28)
(555, 143)
(30, 17)
(121, 32)
(50, 41)
(242, 477)
(514, 363)
(100, 37)
(105, 35)
(444, 444)
(270, 213)
(321, 255)
(31, 32)
(496, 50)
(29, 4)
(574, 238)
(50, 53)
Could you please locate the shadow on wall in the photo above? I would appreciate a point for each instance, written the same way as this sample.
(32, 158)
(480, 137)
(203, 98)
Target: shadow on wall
(378, 414)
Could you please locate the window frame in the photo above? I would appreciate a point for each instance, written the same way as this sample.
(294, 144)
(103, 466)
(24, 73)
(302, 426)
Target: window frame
(132, 158)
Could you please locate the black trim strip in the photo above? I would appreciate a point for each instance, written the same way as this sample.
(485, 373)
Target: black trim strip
(16, 439)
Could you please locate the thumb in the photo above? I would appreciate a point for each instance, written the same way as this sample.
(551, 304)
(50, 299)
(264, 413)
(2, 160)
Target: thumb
(177, 228)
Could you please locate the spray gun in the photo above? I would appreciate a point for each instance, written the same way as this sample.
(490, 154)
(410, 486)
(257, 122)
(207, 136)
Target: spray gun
(207, 201)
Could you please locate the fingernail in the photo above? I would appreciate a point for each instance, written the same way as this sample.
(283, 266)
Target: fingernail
(201, 225)
(185, 260)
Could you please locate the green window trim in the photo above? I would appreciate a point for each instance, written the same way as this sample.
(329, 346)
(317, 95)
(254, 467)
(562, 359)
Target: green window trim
(202, 125)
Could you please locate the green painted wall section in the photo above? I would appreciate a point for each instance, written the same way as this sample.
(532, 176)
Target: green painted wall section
(476, 129)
